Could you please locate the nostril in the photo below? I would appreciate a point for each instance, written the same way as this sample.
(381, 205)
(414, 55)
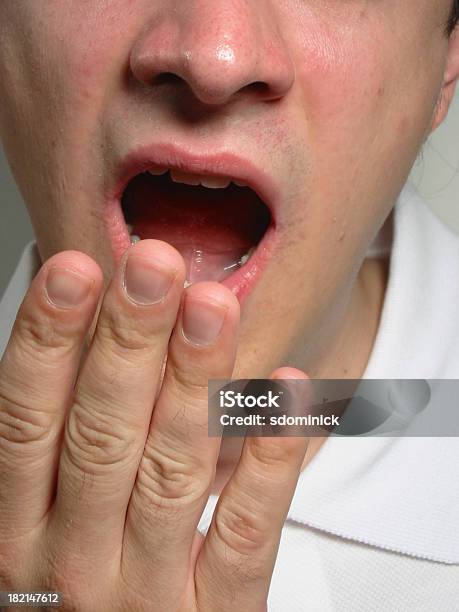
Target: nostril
(205, 93)
(259, 89)
(167, 78)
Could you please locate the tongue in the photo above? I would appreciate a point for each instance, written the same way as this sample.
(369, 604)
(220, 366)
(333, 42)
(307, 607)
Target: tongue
(212, 229)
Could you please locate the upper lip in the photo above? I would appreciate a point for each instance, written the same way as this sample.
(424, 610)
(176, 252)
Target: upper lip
(225, 163)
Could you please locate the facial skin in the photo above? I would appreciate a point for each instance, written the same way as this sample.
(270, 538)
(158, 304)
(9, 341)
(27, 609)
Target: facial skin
(350, 90)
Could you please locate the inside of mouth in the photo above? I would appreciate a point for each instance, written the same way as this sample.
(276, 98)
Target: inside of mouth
(215, 230)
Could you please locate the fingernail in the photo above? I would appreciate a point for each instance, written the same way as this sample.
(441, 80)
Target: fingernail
(146, 283)
(202, 321)
(66, 288)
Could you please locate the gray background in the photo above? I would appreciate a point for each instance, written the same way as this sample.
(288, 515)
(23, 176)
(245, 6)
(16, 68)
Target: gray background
(435, 174)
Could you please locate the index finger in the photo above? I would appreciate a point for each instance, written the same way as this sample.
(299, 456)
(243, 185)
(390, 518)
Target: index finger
(37, 374)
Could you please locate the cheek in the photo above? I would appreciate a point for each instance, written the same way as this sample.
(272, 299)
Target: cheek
(366, 98)
(343, 77)
(58, 64)
(63, 54)
(92, 57)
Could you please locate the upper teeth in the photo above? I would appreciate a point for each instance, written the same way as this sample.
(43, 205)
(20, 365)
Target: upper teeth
(185, 178)
(158, 171)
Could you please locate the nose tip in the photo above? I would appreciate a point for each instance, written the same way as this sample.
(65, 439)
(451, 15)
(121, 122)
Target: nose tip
(217, 61)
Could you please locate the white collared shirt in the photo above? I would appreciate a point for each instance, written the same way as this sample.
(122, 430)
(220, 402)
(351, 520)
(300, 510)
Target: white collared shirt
(374, 523)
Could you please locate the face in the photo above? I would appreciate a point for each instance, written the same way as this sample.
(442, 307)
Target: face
(318, 107)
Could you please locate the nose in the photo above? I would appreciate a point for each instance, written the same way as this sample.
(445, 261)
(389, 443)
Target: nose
(218, 48)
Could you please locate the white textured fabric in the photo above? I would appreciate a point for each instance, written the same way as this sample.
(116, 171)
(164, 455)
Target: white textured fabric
(374, 524)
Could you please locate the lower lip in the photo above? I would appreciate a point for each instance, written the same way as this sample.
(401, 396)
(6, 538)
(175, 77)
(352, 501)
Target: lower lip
(241, 282)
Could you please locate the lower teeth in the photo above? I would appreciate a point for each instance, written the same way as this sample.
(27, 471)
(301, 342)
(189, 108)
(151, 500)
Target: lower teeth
(245, 258)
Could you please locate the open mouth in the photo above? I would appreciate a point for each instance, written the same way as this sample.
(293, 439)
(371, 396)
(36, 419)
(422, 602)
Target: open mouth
(217, 223)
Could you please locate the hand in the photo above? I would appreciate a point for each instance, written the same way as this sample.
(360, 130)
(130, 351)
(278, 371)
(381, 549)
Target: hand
(105, 461)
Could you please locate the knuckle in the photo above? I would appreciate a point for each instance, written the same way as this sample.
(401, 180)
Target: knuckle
(11, 558)
(273, 452)
(21, 424)
(238, 530)
(55, 578)
(190, 420)
(188, 382)
(123, 333)
(65, 575)
(131, 595)
(168, 481)
(41, 334)
(96, 439)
